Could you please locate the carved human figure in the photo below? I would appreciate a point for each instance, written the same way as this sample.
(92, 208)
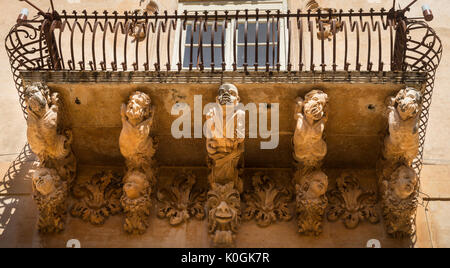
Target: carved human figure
(136, 202)
(135, 142)
(138, 148)
(225, 143)
(50, 193)
(311, 202)
(224, 213)
(402, 142)
(311, 116)
(48, 140)
(399, 200)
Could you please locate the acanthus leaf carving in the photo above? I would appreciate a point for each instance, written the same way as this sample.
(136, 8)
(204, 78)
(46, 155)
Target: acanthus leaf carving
(349, 202)
(97, 198)
(180, 201)
(267, 202)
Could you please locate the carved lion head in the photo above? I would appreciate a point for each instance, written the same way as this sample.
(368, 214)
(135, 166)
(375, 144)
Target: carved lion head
(408, 102)
(45, 180)
(135, 184)
(403, 182)
(36, 98)
(228, 95)
(315, 105)
(138, 107)
(224, 205)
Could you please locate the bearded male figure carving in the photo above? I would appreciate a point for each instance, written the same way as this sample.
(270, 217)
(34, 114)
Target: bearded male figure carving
(402, 142)
(311, 115)
(48, 140)
(399, 201)
(50, 194)
(311, 202)
(225, 146)
(224, 213)
(138, 148)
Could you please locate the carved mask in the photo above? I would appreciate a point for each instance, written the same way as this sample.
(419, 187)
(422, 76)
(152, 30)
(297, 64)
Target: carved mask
(36, 101)
(403, 182)
(44, 181)
(408, 103)
(138, 107)
(223, 203)
(315, 102)
(135, 184)
(228, 95)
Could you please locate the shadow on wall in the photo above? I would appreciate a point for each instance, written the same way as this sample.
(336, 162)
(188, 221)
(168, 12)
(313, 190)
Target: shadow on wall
(15, 192)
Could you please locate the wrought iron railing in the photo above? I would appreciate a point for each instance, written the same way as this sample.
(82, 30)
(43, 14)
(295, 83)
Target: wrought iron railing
(291, 42)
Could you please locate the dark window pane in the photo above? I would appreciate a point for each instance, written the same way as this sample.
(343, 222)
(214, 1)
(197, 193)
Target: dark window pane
(262, 32)
(262, 55)
(217, 35)
(187, 56)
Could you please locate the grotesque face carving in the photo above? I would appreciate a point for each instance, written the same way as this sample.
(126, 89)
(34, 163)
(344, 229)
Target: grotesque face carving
(315, 185)
(314, 107)
(135, 184)
(228, 95)
(224, 204)
(45, 180)
(138, 107)
(408, 103)
(35, 99)
(403, 182)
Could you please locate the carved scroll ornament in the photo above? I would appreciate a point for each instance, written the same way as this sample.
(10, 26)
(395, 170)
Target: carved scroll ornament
(97, 198)
(180, 201)
(267, 202)
(349, 202)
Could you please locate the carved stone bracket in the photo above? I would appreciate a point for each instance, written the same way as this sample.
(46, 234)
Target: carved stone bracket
(398, 182)
(225, 145)
(399, 201)
(51, 142)
(224, 213)
(97, 198)
(349, 202)
(50, 194)
(311, 202)
(267, 202)
(180, 201)
(138, 149)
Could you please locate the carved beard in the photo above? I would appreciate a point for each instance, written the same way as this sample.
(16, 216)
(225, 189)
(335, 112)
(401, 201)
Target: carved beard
(407, 108)
(314, 110)
(226, 99)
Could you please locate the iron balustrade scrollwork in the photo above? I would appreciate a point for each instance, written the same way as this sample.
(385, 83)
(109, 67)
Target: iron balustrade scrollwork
(319, 41)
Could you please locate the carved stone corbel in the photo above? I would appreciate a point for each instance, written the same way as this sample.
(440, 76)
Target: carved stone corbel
(224, 213)
(50, 194)
(311, 202)
(267, 202)
(97, 198)
(51, 142)
(180, 201)
(398, 182)
(349, 202)
(310, 148)
(225, 145)
(138, 149)
(399, 200)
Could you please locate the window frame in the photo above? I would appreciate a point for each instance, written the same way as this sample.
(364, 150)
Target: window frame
(200, 6)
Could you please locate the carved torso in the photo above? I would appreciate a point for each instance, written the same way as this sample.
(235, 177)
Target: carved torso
(309, 145)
